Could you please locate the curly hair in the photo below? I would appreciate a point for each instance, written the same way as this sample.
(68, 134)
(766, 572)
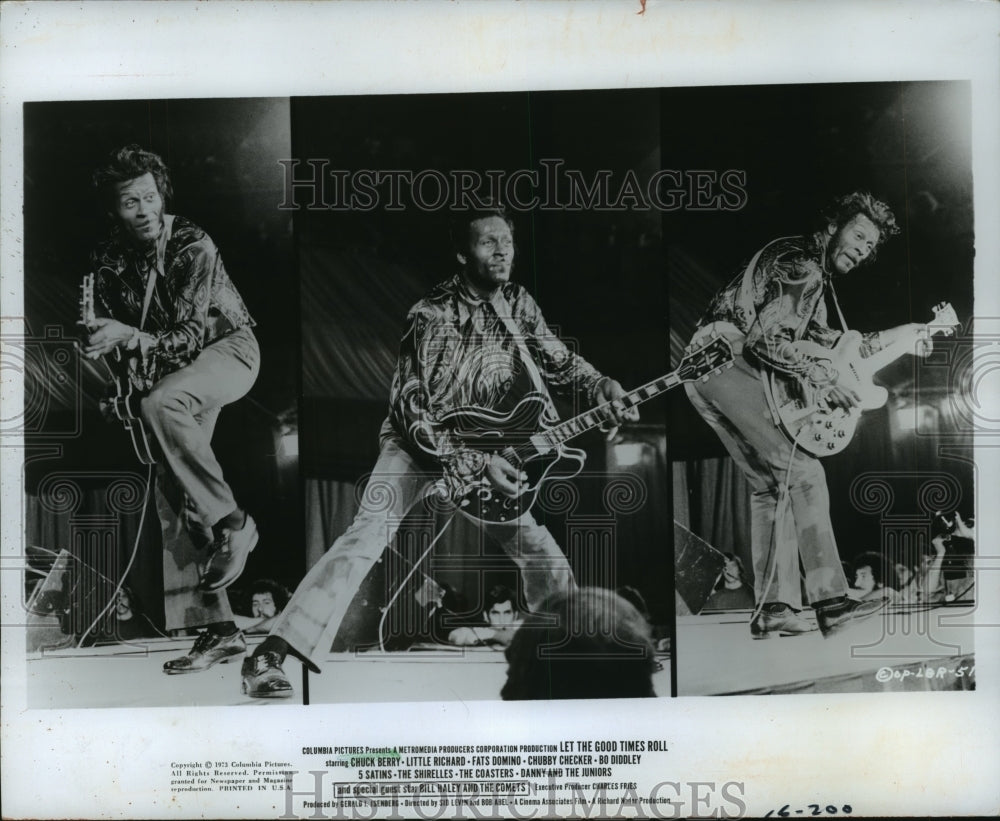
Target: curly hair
(127, 163)
(843, 208)
(279, 593)
(878, 564)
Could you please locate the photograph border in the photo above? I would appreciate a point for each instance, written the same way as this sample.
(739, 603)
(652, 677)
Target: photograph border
(885, 754)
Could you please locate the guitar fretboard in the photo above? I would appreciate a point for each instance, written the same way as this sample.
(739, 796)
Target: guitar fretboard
(594, 418)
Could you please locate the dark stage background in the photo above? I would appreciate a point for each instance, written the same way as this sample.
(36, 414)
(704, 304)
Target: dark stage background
(223, 157)
(597, 275)
(799, 146)
(624, 287)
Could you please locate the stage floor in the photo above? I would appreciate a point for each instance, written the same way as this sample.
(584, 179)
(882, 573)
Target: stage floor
(902, 649)
(132, 676)
(905, 649)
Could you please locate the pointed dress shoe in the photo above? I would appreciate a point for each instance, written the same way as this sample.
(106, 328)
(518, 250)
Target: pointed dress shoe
(208, 649)
(845, 612)
(264, 678)
(779, 619)
(229, 556)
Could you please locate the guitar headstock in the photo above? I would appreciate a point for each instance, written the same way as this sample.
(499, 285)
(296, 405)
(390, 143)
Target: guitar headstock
(714, 356)
(87, 315)
(945, 319)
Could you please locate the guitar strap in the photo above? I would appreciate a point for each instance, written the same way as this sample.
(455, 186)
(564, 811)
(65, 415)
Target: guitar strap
(156, 269)
(504, 312)
(836, 304)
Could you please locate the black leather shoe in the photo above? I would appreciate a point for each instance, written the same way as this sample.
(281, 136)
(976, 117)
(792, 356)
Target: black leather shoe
(264, 678)
(835, 617)
(779, 620)
(229, 556)
(208, 649)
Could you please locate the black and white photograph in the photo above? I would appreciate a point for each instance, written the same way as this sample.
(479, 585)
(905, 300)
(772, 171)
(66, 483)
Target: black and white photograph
(477, 287)
(421, 409)
(825, 491)
(162, 498)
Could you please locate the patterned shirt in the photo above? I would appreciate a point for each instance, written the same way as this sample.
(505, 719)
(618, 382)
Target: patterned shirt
(457, 351)
(194, 301)
(784, 302)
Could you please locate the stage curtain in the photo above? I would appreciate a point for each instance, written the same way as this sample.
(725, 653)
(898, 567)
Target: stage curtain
(644, 553)
(330, 509)
(469, 562)
(457, 558)
(352, 321)
(712, 499)
(49, 528)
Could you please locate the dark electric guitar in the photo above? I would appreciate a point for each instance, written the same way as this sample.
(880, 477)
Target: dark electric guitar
(122, 402)
(521, 437)
(800, 409)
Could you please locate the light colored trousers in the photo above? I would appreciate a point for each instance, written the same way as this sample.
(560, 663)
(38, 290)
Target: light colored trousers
(799, 529)
(191, 493)
(310, 620)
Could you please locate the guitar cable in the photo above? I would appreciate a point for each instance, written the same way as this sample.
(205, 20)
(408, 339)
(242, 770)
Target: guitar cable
(782, 506)
(406, 578)
(781, 510)
(131, 560)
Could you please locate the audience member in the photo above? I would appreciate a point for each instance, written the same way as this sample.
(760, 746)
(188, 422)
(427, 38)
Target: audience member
(501, 620)
(129, 622)
(660, 634)
(731, 590)
(267, 600)
(920, 577)
(958, 570)
(870, 575)
(588, 643)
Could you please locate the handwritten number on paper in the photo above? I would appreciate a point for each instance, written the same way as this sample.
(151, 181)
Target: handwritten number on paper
(786, 810)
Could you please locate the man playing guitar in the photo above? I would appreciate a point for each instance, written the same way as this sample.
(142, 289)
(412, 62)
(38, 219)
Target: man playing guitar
(165, 307)
(773, 305)
(476, 339)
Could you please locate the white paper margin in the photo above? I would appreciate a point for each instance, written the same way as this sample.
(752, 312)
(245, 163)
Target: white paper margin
(920, 753)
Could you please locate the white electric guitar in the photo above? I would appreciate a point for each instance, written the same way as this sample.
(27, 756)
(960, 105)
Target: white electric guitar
(800, 408)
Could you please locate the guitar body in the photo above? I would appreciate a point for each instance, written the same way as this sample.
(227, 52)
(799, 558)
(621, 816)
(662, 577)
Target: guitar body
(510, 435)
(124, 404)
(800, 409)
(124, 399)
(525, 439)
(814, 426)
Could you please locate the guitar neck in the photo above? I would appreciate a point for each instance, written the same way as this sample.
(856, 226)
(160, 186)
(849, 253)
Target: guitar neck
(595, 418)
(891, 352)
(87, 300)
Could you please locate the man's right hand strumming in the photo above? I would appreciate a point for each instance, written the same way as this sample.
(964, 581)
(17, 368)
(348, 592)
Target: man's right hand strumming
(840, 397)
(504, 477)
